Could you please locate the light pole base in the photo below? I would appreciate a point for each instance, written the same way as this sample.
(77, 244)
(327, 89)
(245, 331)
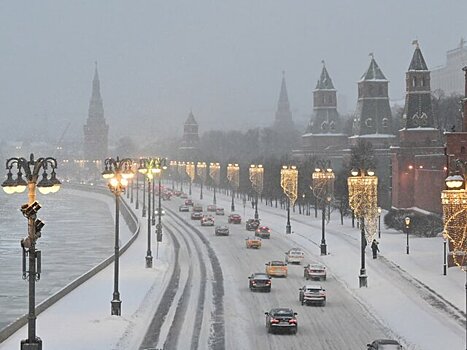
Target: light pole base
(363, 280)
(324, 249)
(153, 221)
(144, 213)
(116, 307)
(407, 250)
(148, 261)
(37, 345)
(288, 229)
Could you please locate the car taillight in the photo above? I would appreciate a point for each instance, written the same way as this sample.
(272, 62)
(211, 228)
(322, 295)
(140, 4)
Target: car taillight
(321, 293)
(293, 321)
(268, 282)
(274, 321)
(269, 231)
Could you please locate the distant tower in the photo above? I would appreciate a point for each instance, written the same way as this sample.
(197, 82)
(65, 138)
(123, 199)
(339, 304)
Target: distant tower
(96, 130)
(418, 163)
(283, 119)
(324, 132)
(325, 118)
(418, 111)
(373, 113)
(189, 146)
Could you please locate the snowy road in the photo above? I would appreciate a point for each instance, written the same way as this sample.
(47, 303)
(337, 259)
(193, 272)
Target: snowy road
(194, 318)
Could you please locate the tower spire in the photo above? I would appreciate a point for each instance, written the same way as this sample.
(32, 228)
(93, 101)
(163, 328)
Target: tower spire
(283, 113)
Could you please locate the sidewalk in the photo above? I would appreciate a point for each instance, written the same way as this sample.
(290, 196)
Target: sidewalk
(82, 320)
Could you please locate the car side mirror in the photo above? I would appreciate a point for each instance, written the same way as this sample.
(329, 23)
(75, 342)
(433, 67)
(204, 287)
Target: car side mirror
(295, 314)
(300, 288)
(266, 264)
(324, 290)
(266, 313)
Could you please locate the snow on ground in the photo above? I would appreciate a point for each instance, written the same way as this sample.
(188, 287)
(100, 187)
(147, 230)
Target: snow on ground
(82, 319)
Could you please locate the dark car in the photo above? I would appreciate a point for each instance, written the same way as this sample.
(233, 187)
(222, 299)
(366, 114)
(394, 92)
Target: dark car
(384, 344)
(189, 201)
(221, 230)
(260, 281)
(196, 216)
(234, 219)
(263, 232)
(252, 224)
(281, 319)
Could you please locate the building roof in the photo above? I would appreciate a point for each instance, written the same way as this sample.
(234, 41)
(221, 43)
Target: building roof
(324, 82)
(191, 119)
(418, 62)
(373, 72)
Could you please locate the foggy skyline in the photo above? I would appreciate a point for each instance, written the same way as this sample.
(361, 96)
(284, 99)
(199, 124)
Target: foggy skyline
(222, 60)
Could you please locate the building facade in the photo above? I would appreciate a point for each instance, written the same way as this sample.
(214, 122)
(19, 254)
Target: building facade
(447, 78)
(189, 147)
(283, 120)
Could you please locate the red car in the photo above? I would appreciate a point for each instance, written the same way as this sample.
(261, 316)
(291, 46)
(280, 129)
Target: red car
(189, 202)
(263, 232)
(235, 219)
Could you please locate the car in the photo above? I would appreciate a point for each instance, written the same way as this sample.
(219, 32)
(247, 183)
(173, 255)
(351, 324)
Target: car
(315, 272)
(219, 211)
(252, 224)
(276, 268)
(281, 319)
(234, 219)
(183, 208)
(207, 220)
(166, 196)
(221, 230)
(177, 193)
(310, 294)
(156, 212)
(263, 232)
(294, 256)
(253, 242)
(259, 281)
(183, 196)
(189, 201)
(211, 208)
(384, 344)
(196, 216)
(198, 208)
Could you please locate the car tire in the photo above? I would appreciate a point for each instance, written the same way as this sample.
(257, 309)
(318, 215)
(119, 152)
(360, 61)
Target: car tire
(323, 303)
(324, 278)
(268, 329)
(302, 302)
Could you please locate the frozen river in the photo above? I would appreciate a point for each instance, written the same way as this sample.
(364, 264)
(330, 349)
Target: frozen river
(78, 235)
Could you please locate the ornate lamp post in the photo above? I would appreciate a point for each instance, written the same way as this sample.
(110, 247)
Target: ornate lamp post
(363, 198)
(201, 172)
(454, 202)
(215, 174)
(137, 188)
(233, 172)
(181, 173)
(407, 230)
(117, 172)
(257, 179)
(31, 169)
(148, 169)
(160, 165)
(143, 214)
(190, 170)
(289, 184)
(323, 189)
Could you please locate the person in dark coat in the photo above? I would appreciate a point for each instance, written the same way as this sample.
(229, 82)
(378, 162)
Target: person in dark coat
(374, 248)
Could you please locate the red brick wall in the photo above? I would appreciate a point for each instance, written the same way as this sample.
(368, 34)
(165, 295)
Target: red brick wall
(428, 186)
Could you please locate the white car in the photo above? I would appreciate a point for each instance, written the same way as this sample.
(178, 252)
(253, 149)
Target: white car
(294, 256)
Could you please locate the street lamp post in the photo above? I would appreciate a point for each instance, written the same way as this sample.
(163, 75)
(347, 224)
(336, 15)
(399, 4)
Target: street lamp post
(153, 214)
(233, 172)
(215, 175)
(31, 169)
(117, 172)
(445, 262)
(181, 173)
(143, 214)
(201, 172)
(160, 164)
(137, 192)
(191, 172)
(407, 229)
(323, 188)
(379, 222)
(257, 179)
(363, 198)
(289, 184)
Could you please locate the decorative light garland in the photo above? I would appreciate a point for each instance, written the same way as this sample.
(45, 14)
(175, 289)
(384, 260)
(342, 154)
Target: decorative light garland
(289, 182)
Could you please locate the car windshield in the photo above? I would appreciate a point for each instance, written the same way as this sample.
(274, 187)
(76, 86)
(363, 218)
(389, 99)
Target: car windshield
(277, 263)
(282, 313)
(388, 347)
(313, 290)
(260, 276)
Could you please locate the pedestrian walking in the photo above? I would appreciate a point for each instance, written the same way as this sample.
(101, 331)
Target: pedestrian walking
(374, 248)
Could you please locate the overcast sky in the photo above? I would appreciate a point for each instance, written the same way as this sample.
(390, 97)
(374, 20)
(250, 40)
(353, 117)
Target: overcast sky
(221, 58)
